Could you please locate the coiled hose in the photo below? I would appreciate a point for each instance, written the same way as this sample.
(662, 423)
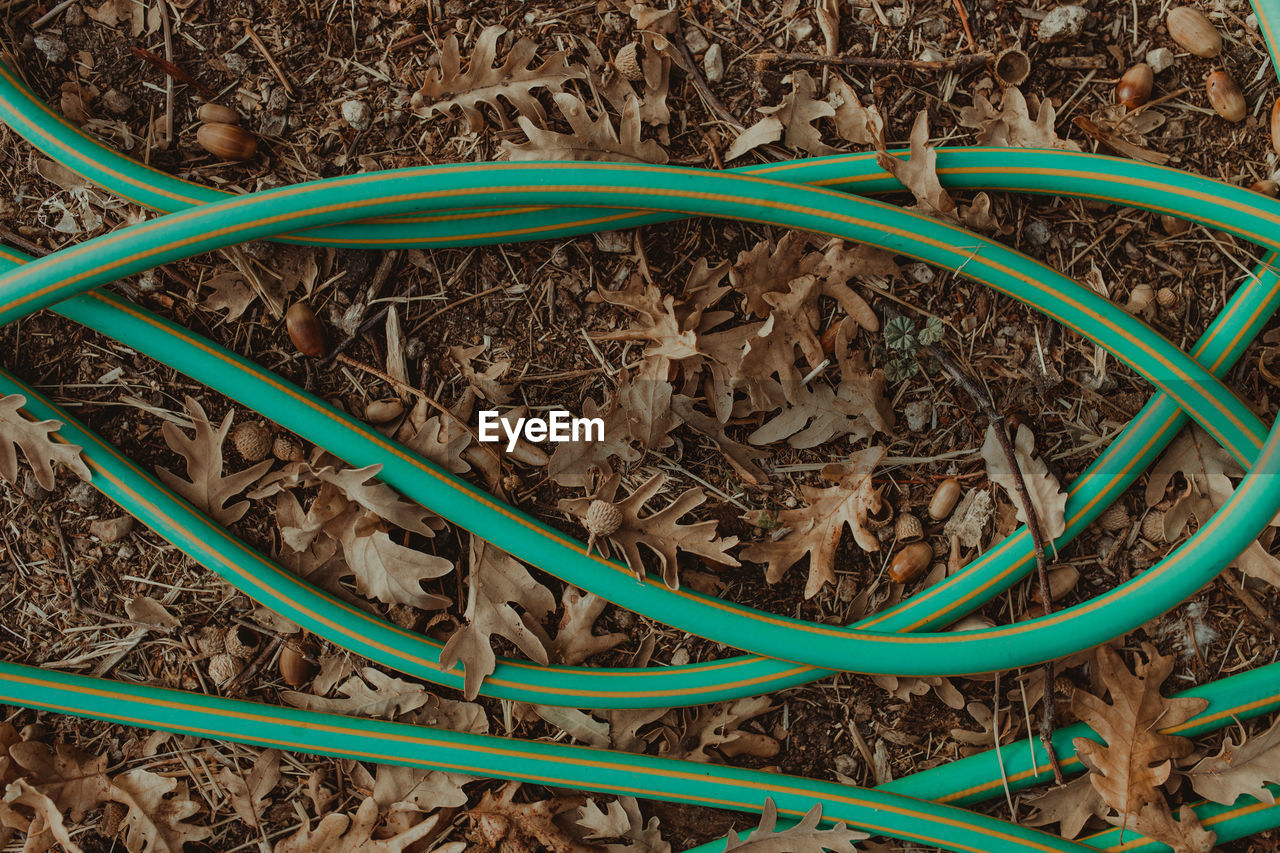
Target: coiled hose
(1234, 427)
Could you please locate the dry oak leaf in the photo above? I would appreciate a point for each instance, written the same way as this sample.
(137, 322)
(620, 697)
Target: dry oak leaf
(1012, 125)
(791, 121)
(157, 811)
(1048, 498)
(1240, 771)
(1137, 756)
(791, 325)
(645, 399)
(44, 826)
(498, 823)
(816, 528)
(622, 819)
(496, 581)
(919, 174)
(75, 780)
(854, 122)
(34, 438)
(740, 456)
(386, 570)
(486, 384)
(448, 87)
(1070, 806)
(376, 694)
(660, 532)
(719, 727)
(593, 141)
(248, 791)
(575, 640)
(804, 837)
(573, 463)
(207, 489)
(1208, 469)
(340, 833)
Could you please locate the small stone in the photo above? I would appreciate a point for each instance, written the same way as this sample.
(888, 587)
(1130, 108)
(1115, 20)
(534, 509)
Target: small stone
(1064, 23)
(613, 242)
(117, 102)
(1037, 232)
(83, 494)
(74, 16)
(236, 63)
(695, 41)
(32, 489)
(111, 529)
(54, 49)
(713, 64)
(357, 114)
(1159, 59)
(920, 273)
(917, 414)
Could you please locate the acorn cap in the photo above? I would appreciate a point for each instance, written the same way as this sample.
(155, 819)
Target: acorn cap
(908, 528)
(242, 641)
(602, 519)
(627, 61)
(287, 449)
(223, 668)
(252, 440)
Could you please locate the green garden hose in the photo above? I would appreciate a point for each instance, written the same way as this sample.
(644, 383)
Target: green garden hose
(1239, 431)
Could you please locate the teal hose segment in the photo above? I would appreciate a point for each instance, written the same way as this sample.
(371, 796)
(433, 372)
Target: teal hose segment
(538, 762)
(156, 232)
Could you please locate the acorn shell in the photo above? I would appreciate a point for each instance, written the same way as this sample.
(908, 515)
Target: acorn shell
(223, 668)
(909, 563)
(296, 663)
(1134, 87)
(602, 519)
(217, 113)
(1012, 67)
(1225, 96)
(627, 61)
(1193, 32)
(944, 499)
(227, 141)
(1153, 526)
(908, 528)
(383, 411)
(287, 449)
(305, 330)
(242, 642)
(252, 441)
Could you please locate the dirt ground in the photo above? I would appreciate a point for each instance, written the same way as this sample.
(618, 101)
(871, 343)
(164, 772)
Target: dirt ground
(541, 313)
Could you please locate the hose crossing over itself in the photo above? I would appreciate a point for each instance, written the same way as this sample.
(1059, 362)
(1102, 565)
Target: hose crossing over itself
(471, 204)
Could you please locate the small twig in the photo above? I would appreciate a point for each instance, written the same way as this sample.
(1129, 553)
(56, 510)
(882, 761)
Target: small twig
(168, 80)
(951, 63)
(964, 22)
(1255, 607)
(996, 419)
(381, 275)
(51, 14)
(463, 301)
(266, 54)
(172, 70)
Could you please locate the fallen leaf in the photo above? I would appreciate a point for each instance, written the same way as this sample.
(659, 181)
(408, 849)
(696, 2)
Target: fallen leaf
(1240, 771)
(575, 640)
(1137, 756)
(248, 791)
(487, 384)
(157, 811)
(719, 727)
(231, 292)
(448, 87)
(919, 174)
(496, 581)
(804, 837)
(1070, 806)
(592, 140)
(1048, 498)
(142, 608)
(340, 833)
(75, 780)
(1012, 125)
(574, 463)
(622, 820)
(35, 440)
(370, 694)
(44, 827)
(397, 787)
(815, 529)
(207, 489)
(791, 120)
(854, 122)
(740, 456)
(500, 823)
(660, 532)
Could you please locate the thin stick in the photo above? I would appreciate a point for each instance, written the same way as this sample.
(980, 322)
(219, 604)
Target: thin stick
(951, 63)
(266, 54)
(997, 421)
(380, 277)
(168, 78)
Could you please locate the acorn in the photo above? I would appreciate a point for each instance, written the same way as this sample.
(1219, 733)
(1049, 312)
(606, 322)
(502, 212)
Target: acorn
(1193, 32)
(287, 450)
(252, 441)
(1134, 88)
(602, 519)
(242, 642)
(1153, 526)
(1166, 298)
(1225, 96)
(383, 411)
(227, 141)
(1173, 226)
(211, 641)
(909, 563)
(627, 61)
(1116, 518)
(223, 668)
(305, 330)
(1275, 126)
(908, 528)
(1012, 67)
(944, 499)
(296, 663)
(217, 114)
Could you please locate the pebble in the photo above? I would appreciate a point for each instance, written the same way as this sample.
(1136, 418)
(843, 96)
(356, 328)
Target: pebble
(357, 114)
(236, 63)
(83, 494)
(695, 41)
(918, 415)
(713, 64)
(54, 49)
(32, 489)
(613, 242)
(117, 102)
(74, 16)
(1064, 23)
(1160, 59)
(920, 273)
(1037, 232)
